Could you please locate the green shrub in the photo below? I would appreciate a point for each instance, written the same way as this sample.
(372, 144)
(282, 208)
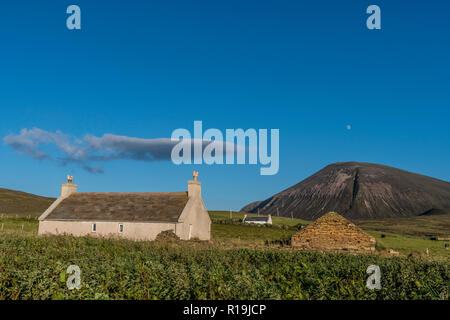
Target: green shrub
(34, 268)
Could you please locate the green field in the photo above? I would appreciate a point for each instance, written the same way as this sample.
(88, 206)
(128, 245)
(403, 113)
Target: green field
(21, 204)
(238, 235)
(405, 235)
(240, 262)
(35, 268)
(416, 226)
(238, 216)
(412, 245)
(248, 236)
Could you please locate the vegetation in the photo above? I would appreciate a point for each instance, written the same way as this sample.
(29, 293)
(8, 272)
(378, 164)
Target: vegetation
(408, 245)
(241, 262)
(406, 240)
(34, 267)
(231, 236)
(21, 226)
(247, 235)
(21, 204)
(238, 216)
(435, 225)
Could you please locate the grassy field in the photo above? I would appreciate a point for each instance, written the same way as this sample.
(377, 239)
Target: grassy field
(249, 236)
(407, 236)
(238, 216)
(416, 226)
(21, 204)
(240, 262)
(22, 226)
(34, 267)
(407, 245)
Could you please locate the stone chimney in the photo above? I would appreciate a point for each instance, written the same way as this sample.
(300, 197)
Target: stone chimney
(194, 187)
(67, 188)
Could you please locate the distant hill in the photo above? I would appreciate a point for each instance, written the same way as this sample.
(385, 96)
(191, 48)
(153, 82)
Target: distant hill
(251, 206)
(436, 212)
(359, 190)
(21, 203)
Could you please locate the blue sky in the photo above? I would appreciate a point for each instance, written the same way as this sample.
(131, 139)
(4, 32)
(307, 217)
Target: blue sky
(143, 69)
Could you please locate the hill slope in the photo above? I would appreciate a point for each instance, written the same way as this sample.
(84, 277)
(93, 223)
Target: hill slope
(358, 190)
(21, 203)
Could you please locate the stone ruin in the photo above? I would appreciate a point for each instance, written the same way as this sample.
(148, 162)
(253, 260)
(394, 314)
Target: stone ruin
(333, 233)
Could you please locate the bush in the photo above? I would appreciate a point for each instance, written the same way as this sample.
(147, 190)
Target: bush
(34, 268)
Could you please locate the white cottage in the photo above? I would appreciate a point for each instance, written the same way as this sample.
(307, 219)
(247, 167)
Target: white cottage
(136, 216)
(258, 220)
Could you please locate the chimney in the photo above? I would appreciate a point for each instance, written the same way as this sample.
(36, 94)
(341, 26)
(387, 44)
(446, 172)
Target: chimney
(194, 187)
(67, 188)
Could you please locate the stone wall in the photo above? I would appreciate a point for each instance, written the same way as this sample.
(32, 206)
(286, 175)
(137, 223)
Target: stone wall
(333, 232)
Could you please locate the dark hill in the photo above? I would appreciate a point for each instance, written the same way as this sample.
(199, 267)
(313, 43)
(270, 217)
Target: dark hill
(436, 212)
(358, 190)
(21, 203)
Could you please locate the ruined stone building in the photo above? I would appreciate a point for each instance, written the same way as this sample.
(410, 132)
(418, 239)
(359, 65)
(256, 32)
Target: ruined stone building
(334, 233)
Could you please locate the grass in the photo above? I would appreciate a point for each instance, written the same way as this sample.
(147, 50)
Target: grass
(11, 226)
(235, 264)
(416, 226)
(247, 235)
(240, 262)
(35, 268)
(407, 238)
(231, 236)
(21, 204)
(238, 216)
(412, 244)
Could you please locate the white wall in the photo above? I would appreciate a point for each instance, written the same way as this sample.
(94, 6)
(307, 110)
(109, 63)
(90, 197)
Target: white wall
(131, 230)
(195, 214)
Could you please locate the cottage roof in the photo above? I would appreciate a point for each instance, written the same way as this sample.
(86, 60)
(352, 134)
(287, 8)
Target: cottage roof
(257, 219)
(139, 207)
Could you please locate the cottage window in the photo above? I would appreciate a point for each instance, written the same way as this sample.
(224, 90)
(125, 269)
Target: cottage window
(94, 227)
(120, 228)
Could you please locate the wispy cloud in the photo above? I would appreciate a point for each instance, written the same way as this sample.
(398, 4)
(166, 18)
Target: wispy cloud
(29, 142)
(90, 151)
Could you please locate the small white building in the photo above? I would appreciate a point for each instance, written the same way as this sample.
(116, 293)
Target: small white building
(258, 220)
(136, 216)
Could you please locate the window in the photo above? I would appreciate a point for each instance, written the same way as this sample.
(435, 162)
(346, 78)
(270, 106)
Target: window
(120, 228)
(94, 227)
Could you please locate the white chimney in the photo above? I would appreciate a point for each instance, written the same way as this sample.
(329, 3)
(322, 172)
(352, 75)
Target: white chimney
(67, 188)
(194, 187)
